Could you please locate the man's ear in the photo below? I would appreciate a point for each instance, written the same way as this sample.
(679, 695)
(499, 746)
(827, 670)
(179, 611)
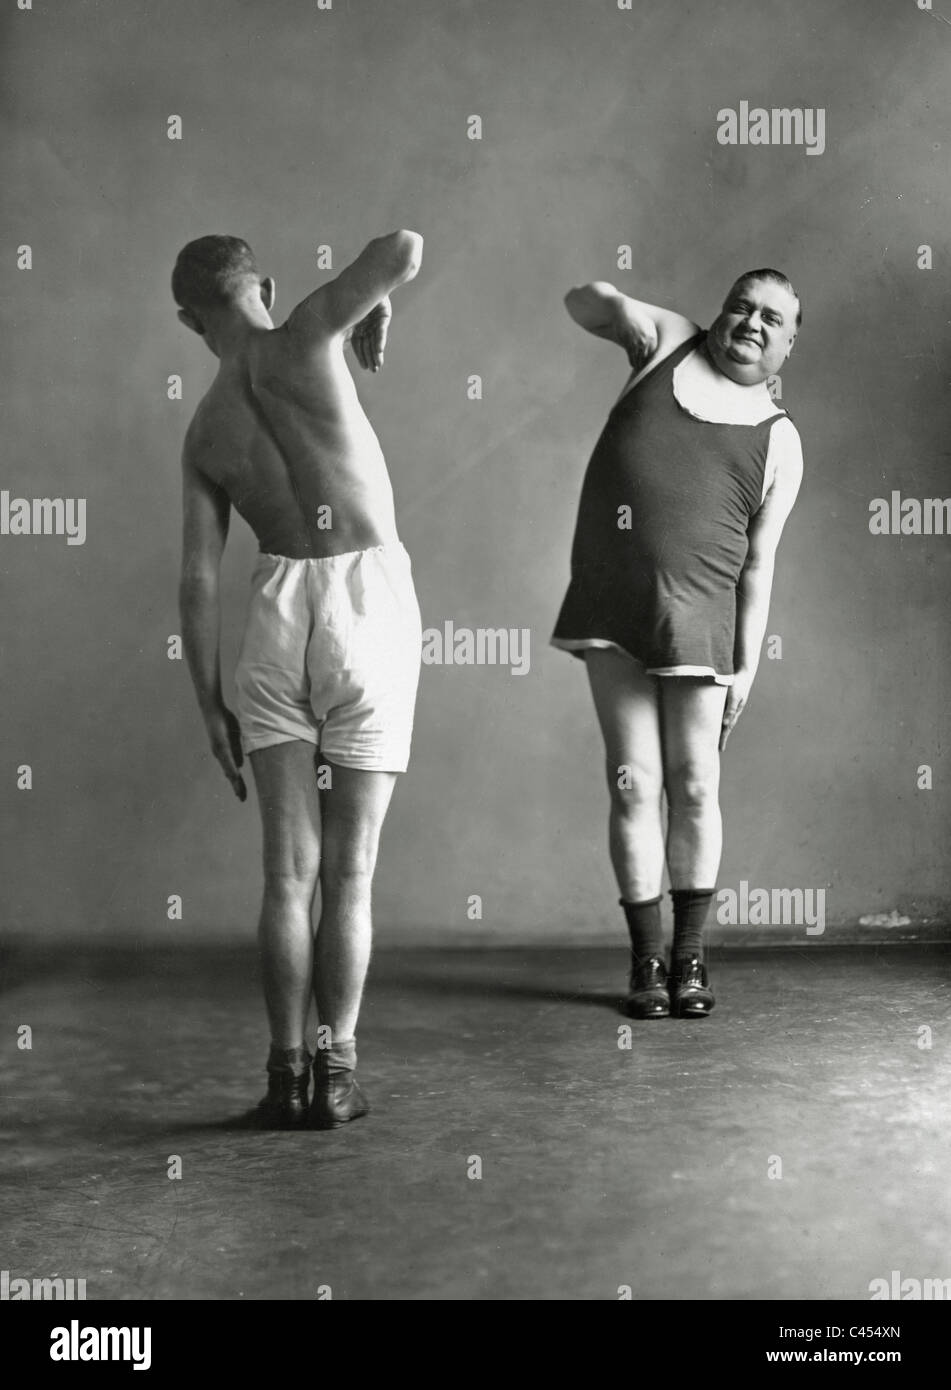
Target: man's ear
(186, 317)
(268, 292)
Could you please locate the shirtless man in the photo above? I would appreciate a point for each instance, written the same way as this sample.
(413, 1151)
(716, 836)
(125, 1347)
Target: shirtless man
(682, 508)
(331, 652)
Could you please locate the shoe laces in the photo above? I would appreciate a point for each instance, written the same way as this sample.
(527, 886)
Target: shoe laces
(692, 972)
(650, 972)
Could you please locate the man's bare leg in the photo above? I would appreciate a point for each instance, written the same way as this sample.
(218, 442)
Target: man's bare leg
(286, 779)
(353, 810)
(627, 707)
(691, 721)
(626, 701)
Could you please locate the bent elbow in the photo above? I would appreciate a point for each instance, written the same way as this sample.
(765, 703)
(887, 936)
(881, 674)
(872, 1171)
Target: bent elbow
(756, 577)
(197, 586)
(576, 299)
(407, 249)
(586, 303)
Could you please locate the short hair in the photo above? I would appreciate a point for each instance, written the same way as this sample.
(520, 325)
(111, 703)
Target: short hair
(211, 271)
(778, 278)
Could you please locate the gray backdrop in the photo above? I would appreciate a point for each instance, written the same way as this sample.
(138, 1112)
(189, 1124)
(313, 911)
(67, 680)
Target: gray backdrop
(304, 127)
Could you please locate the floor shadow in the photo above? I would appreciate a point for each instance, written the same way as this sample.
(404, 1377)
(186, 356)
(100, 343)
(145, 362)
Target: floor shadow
(445, 984)
(131, 1134)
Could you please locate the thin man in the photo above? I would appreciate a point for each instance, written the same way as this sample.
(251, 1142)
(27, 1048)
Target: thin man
(330, 658)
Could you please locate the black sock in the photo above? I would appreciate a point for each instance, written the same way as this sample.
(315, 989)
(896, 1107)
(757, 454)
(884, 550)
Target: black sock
(691, 906)
(643, 922)
(295, 1060)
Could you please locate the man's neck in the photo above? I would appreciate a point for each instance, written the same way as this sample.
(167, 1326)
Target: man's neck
(728, 383)
(229, 339)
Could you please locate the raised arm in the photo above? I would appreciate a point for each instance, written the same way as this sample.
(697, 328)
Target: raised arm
(331, 311)
(756, 581)
(642, 330)
(206, 517)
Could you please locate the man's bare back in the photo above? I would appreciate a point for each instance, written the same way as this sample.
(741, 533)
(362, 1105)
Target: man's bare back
(281, 432)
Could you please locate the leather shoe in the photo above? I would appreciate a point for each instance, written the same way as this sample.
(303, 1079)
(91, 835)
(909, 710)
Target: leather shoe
(691, 995)
(285, 1105)
(337, 1099)
(648, 996)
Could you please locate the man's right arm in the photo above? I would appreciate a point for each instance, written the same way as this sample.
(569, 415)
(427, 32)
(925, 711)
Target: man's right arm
(642, 330)
(206, 518)
(332, 310)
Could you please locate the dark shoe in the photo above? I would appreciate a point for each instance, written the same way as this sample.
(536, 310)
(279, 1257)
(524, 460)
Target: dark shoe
(648, 997)
(285, 1105)
(691, 995)
(337, 1099)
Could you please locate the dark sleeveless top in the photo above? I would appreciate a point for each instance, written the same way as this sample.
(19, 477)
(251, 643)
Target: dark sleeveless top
(658, 579)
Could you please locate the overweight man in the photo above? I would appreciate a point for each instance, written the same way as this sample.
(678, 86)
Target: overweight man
(329, 663)
(682, 507)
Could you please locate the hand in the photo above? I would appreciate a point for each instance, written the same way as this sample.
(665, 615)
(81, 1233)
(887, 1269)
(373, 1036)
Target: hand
(225, 736)
(736, 697)
(638, 338)
(369, 336)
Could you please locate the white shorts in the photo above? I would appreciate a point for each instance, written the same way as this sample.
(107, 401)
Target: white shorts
(331, 655)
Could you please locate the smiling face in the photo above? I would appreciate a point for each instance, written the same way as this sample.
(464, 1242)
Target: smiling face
(755, 331)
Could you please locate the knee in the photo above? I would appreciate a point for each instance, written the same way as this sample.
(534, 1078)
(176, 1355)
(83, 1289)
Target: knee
(694, 787)
(348, 869)
(292, 882)
(633, 790)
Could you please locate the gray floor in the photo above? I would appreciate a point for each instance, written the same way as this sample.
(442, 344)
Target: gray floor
(601, 1167)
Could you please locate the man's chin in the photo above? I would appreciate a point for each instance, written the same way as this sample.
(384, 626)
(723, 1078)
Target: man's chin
(741, 370)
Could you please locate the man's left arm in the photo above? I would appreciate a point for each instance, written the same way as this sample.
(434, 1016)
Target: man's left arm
(206, 518)
(756, 581)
